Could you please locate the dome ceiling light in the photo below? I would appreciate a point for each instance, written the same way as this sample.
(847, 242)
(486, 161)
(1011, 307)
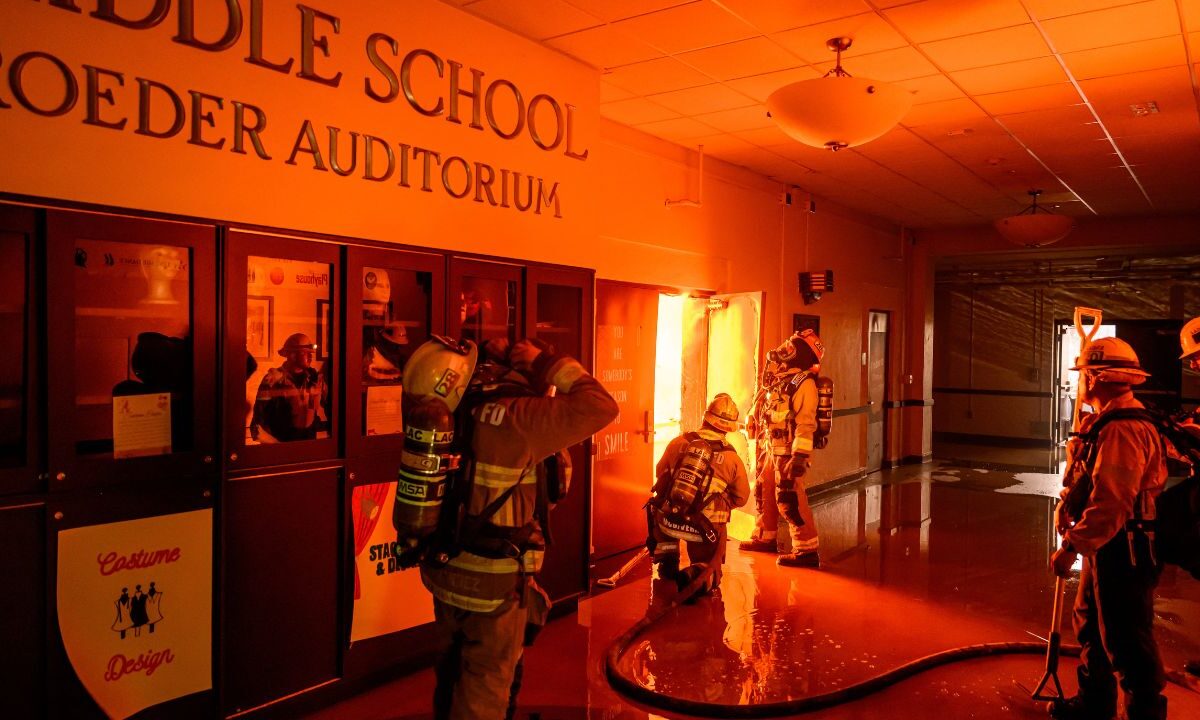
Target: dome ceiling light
(838, 111)
(1034, 226)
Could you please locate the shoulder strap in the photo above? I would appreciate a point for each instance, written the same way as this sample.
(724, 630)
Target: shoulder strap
(1121, 414)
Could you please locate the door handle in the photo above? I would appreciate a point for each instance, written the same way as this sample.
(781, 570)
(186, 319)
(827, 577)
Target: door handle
(646, 432)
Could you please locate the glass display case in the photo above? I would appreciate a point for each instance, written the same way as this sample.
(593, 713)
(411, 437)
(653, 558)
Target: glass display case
(399, 296)
(282, 330)
(485, 300)
(18, 371)
(132, 304)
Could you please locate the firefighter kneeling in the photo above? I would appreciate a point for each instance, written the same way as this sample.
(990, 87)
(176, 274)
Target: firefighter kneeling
(700, 479)
(1116, 471)
(473, 500)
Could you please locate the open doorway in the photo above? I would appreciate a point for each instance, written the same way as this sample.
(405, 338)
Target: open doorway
(1066, 380)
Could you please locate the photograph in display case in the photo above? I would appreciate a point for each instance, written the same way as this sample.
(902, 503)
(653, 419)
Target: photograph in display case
(260, 326)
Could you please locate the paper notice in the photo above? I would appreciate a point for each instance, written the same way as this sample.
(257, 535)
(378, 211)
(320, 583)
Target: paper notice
(141, 425)
(383, 410)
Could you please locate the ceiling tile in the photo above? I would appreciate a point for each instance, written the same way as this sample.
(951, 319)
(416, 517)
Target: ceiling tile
(612, 10)
(1154, 150)
(1191, 13)
(939, 19)
(774, 15)
(1071, 123)
(687, 27)
(702, 99)
(610, 92)
(1022, 42)
(655, 76)
(1046, 9)
(1114, 26)
(947, 111)
(1029, 99)
(931, 89)
(539, 21)
(747, 118)
(739, 59)
(1011, 76)
(721, 143)
(903, 63)
(604, 47)
(683, 128)
(760, 87)
(1169, 88)
(870, 33)
(1127, 58)
(636, 111)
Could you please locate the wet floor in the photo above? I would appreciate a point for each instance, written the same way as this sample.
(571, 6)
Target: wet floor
(917, 561)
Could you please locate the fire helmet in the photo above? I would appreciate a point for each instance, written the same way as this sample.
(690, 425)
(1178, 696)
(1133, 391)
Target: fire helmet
(1189, 339)
(802, 350)
(1111, 360)
(441, 368)
(722, 413)
(297, 341)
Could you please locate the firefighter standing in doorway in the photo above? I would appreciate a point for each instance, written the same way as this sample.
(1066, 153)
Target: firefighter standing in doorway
(700, 479)
(785, 417)
(485, 545)
(1117, 471)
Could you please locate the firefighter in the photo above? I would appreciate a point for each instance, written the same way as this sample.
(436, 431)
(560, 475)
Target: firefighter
(700, 479)
(785, 418)
(1112, 527)
(289, 404)
(484, 590)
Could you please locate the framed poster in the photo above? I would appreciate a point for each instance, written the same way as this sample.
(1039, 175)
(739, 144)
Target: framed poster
(324, 329)
(260, 326)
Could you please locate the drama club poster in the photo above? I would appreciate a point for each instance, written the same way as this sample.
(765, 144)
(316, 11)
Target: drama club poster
(386, 598)
(135, 609)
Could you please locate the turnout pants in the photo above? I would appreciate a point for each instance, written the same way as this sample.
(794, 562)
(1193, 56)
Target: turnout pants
(785, 497)
(1114, 622)
(478, 677)
(666, 551)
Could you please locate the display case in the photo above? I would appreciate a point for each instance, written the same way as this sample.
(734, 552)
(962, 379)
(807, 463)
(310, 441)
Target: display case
(132, 359)
(396, 304)
(485, 300)
(559, 307)
(19, 369)
(282, 340)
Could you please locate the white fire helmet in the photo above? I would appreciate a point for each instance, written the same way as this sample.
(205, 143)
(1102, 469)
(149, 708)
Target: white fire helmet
(1111, 360)
(722, 413)
(1189, 339)
(377, 285)
(441, 367)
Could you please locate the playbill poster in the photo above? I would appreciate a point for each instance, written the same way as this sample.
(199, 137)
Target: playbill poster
(135, 609)
(386, 598)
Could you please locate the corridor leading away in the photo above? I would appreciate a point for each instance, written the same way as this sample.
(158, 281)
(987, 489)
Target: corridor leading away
(917, 560)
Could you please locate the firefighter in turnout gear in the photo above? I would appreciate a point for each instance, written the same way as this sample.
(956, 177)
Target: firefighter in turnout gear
(785, 419)
(486, 601)
(1116, 471)
(700, 479)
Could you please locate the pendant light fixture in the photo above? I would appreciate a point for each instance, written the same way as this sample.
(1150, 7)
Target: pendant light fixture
(1034, 226)
(838, 111)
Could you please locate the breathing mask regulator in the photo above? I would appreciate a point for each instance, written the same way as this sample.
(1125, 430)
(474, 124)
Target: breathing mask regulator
(435, 380)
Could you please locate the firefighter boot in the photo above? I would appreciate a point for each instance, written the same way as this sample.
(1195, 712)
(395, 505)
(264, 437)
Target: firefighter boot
(667, 565)
(808, 559)
(759, 544)
(687, 576)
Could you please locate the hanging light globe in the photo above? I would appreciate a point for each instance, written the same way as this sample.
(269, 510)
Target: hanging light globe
(1034, 226)
(838, 111)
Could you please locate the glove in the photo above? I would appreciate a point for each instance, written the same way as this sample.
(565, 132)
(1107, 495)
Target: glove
(795, 467)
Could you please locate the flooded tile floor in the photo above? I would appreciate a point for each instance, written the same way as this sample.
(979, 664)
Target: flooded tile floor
(917, 560)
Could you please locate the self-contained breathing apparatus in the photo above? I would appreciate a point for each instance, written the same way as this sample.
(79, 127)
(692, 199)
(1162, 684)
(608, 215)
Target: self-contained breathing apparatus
(444, 384)
(801, 349)
(681, 495)
(1175, 533)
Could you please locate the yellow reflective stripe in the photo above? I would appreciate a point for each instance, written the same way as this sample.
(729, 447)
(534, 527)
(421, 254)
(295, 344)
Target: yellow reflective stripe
(465, 602)
(566, 376)
(802, 444)
(429, 503)
(476, 563)
(497, 476)
(805, 545)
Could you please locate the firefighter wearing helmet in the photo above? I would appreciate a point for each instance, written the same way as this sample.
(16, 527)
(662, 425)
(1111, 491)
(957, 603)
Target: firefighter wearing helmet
(474, 492)
(786, 421)
(699, 480)
(290, 404)
(1116, 472)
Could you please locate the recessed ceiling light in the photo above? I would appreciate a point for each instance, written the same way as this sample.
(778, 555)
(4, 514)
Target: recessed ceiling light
(1143, 109)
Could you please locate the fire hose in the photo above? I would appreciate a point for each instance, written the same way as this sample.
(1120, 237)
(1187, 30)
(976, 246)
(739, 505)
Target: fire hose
(636, 691)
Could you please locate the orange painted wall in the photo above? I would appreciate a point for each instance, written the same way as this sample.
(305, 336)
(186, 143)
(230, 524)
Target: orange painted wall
(614, 216)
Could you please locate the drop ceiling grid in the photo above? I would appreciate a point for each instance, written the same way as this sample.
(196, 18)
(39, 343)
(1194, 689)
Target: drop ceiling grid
(970, 66)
